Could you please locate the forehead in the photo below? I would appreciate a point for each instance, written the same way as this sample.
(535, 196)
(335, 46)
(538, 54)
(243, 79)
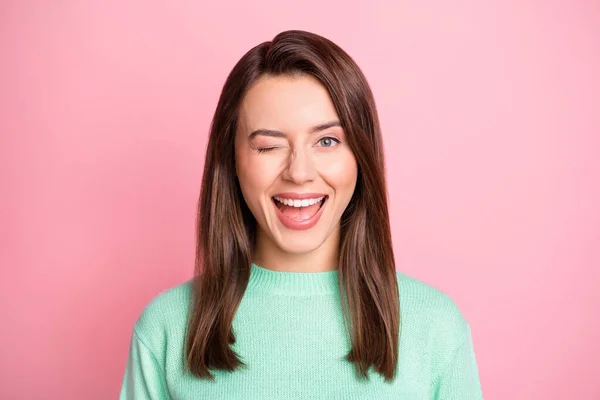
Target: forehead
(286, 103)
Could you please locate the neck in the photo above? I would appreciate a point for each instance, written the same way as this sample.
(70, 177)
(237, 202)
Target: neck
(269, 255)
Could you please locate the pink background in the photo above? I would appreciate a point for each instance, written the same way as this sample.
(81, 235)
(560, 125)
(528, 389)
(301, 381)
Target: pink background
(491, 117)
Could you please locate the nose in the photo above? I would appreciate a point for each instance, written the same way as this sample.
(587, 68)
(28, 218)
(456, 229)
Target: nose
(300, 168)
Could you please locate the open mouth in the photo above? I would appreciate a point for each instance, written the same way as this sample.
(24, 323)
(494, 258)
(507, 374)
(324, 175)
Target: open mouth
(299, 209)
(299, 214)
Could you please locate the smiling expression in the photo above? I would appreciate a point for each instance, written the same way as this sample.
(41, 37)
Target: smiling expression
(296, 172)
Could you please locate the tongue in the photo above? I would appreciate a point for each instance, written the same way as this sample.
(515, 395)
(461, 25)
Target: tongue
(300, 213)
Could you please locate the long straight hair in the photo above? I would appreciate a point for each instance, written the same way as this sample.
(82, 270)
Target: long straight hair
(226, 229)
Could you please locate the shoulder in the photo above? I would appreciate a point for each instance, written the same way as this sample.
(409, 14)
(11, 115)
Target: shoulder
(428, 313)
(425, 299)
(164, 315)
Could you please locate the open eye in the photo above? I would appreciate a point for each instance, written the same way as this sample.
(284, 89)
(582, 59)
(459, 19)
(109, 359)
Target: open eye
(328, 141)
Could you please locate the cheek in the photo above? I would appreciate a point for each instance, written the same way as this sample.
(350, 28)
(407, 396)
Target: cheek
(255, 176)
(341, 172)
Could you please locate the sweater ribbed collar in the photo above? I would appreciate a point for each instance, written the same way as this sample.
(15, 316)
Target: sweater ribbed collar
(268, 281)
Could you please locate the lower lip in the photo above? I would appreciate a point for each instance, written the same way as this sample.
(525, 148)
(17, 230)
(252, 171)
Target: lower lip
(299, 225)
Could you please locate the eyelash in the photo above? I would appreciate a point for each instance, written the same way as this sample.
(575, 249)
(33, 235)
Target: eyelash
(267, 149)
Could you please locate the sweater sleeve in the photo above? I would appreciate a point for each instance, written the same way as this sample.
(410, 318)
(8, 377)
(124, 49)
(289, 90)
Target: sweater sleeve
(460, 379)
(144, 378)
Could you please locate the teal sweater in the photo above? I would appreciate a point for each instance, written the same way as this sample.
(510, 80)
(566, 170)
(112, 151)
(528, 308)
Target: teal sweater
(291, 333)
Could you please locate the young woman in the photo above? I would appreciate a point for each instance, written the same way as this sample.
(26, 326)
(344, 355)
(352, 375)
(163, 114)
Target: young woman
(296, 294)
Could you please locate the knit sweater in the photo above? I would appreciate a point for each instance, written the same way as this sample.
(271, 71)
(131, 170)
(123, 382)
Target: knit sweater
(291, 333)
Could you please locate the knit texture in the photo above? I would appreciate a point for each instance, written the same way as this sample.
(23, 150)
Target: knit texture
(290, 331)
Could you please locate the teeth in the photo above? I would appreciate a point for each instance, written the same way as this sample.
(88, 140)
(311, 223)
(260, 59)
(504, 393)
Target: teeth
(299, 203)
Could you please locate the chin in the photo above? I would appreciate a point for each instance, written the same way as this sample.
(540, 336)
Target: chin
(293, 244)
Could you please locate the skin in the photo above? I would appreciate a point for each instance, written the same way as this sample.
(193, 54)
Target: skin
(310, 156)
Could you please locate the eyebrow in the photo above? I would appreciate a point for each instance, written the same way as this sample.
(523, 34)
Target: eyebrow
(279, 134)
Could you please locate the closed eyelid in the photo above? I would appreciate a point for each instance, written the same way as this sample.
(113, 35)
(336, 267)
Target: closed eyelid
(267, 142)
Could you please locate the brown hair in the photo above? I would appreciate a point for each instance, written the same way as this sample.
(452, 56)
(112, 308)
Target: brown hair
(226, 227)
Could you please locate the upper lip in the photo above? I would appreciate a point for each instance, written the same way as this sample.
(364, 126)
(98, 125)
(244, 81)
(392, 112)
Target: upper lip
(300, 196)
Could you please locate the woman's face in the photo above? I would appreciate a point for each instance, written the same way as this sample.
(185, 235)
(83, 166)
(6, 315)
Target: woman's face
(296, 171)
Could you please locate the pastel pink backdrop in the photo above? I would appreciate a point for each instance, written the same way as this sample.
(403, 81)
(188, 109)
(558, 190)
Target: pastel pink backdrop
(491, 117)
